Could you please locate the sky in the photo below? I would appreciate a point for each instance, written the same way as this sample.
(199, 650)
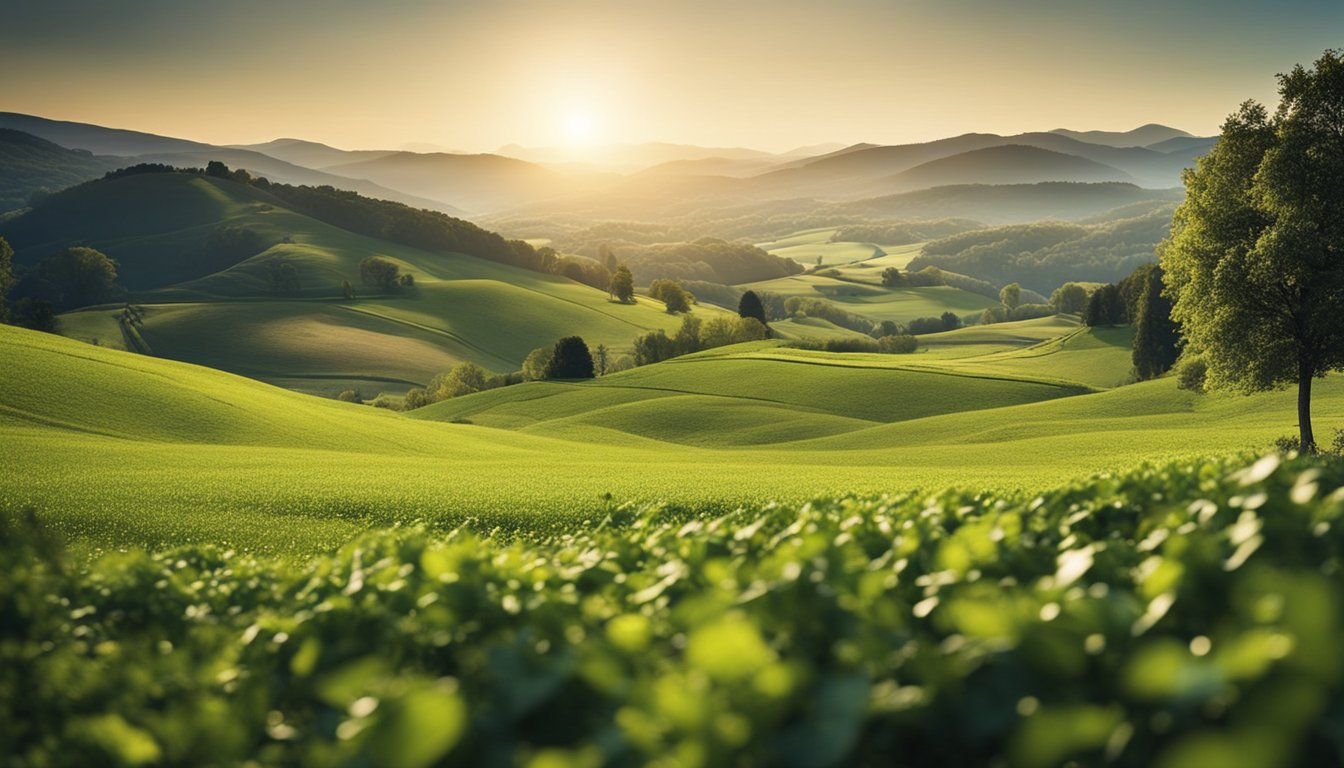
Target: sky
(768, 74)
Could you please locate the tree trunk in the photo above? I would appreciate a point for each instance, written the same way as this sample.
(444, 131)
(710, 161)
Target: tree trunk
(1304, 376)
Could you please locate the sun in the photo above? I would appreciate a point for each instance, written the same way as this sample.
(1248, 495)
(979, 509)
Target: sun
(579, 127)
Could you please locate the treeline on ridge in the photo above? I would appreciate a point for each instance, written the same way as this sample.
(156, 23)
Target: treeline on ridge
(1044, 255)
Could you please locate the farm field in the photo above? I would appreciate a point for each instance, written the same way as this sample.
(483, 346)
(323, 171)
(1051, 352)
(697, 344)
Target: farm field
(171, 441)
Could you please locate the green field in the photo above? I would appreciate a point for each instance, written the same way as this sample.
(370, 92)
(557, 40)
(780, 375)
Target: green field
(116, 448)
(875, 302)
(462, 308)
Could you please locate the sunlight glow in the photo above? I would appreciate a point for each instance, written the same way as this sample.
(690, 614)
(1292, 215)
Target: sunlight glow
(579, 128)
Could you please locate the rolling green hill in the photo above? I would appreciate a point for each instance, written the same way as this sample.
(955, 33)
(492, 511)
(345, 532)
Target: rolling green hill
(159, 225)
(29, 164)
(874, 301)
(115, 447)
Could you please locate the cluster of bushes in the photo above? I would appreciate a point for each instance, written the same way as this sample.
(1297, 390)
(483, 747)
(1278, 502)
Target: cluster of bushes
(1003, 314)
(1046, 254)
(68, 279)
(802, 306)
(568, 358)
(672, 294)
(948, 321)
(892, 344)
(695, 335)
(1186, 615)
(893, 277)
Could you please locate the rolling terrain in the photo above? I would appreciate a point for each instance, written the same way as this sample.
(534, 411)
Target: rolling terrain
(132, 449)
(225, 314)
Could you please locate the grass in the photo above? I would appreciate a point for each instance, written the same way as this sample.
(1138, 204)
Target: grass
(875, 302)
(121, 449)
(462, 309)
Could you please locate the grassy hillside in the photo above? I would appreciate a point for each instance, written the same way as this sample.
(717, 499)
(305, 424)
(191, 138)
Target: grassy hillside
(876, 302)
(115, 447)
(29, 164)
(158, 227)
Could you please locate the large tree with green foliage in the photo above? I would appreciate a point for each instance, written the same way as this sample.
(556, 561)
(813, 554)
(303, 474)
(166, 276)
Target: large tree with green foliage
(570, 359)
(622, 286)
(1255, 261)
(72, 278)
(1010, 296)
(1155, 333)
(380, 273)
(750, 306)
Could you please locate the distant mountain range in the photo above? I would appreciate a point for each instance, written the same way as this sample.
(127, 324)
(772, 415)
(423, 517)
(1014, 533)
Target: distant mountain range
(627, 179)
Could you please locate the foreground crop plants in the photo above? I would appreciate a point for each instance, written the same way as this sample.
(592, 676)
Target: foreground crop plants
(1189, 615)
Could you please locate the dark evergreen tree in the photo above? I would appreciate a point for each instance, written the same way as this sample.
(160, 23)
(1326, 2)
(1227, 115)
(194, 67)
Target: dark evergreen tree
(750, 306)
(570, 359)
(1155, 334)
(1105, 307)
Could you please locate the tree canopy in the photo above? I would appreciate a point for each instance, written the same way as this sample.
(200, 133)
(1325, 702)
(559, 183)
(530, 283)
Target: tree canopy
(1254, 259)
(6, 274)
(570, 359)
(622, 285)
(750, 306)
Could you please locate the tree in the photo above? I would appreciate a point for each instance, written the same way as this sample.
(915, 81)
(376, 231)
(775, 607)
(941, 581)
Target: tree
(462, 379)
(622, 285)
(1105, 307)
(347, 290)
(74, 277)
(678, 300)
(570, 359)
(671, 294)
(1010, 296)
(380, 273)
(1069, 298)
(283, 277)
(892, 278)
(536, 363)
(687, 338)
(601, 359)
(37, 314)
(951, 321)
(6, 274)
(1155, 335)
(750, 306)
(654, 347)
(1253, 261)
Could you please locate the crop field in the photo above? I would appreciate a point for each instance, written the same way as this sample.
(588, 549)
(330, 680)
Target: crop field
(1101, 621)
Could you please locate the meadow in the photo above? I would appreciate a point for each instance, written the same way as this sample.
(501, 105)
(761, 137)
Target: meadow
(117, 449)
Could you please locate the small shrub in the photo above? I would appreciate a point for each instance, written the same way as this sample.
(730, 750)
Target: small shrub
(350, 396)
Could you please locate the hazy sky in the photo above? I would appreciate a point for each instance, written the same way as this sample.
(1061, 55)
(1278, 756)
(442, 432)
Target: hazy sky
(771, 74)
